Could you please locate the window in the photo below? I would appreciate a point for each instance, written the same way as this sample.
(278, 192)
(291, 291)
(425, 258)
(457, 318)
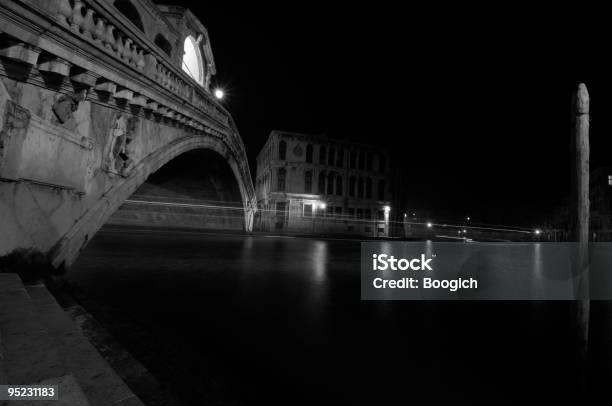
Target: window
(368, 214)
(126, 8)
(352, 182)
(332, 156)
(360, 187)
(353, 159)
(609, 180)
(330, 184)
(308, 210)
(338, 211)
(360, 213)
(309, 153)
(339, 185)
(381, 214)
(282, 150)
(322, 155)
(163, 43)
(322, 182)
(382, 163)
(368, 188)
(369, 162)
(193, 63)
(282, 173)
(381, 189)
(351, 212)
(361, 160)
(340, 158)
(280, 215)
(308, 182)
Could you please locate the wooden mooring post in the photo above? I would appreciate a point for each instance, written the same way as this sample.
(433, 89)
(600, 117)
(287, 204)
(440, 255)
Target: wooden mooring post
(580, 221)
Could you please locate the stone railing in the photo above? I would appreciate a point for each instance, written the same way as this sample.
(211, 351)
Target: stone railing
(92, 20)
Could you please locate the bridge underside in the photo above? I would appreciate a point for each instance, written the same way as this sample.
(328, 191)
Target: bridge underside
(176, 196)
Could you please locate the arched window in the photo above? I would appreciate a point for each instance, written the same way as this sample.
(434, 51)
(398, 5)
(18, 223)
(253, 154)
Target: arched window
(381, 189)
(369, 188)
(339, 185)
(340, 159)
(282, 173)
(322, 183)
(360, 187)
(308, 182)
(282, 150)
(126, 8)
(361, 160)
(322, 155)
(309, 153)
(330, 184)
(352, 182)
(163, 43)
(193, 64)
(332, 156)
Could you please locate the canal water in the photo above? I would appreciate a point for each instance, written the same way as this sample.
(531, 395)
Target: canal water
(234, 319)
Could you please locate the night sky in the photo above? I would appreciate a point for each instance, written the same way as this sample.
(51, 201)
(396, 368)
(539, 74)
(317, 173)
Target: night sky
(476, 105)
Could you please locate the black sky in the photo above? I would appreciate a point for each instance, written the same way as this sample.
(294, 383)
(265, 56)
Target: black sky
(476, 102)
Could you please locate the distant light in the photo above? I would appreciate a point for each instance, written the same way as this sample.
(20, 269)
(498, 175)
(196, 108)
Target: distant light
(387, 209)
(538, 231)
(405, 215)
(219, 94)
(322, 206)
(464, 231)
(429, 225)
(413, 214)
(468, 218)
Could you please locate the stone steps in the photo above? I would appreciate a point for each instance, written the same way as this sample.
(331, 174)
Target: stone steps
(39, 343)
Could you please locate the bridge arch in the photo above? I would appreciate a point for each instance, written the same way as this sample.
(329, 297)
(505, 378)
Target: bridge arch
(68, 248)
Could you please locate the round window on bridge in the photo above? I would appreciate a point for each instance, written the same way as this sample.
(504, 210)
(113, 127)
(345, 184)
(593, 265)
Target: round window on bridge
(193, 63)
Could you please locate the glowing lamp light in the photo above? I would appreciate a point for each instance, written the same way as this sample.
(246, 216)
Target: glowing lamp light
(322, 206)
(538, 232)
(468, 218)
(219, 94)
(387, 209)
(464, 231)
(429, 225)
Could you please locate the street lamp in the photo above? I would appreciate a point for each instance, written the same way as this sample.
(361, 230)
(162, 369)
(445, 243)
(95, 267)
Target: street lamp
(429, 225)
(219, 93)
(468, 218)
(537, 231)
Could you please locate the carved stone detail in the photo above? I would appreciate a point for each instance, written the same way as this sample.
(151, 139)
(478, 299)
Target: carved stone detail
(119, 153)
(66, 105)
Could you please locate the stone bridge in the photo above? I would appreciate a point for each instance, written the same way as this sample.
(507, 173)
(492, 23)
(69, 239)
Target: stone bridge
(96, 95)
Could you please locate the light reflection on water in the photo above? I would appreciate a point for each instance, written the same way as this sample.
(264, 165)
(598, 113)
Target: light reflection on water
(247, 311)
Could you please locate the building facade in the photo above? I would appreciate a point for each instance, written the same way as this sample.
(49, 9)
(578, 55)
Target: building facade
(559, 222)
(600, 195)
(317, 185)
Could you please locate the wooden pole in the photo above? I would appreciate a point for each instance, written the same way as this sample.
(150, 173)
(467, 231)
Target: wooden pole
(580, 216)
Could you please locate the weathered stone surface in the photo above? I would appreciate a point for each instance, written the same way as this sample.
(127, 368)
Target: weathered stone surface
(94, 376)
(68, 156)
